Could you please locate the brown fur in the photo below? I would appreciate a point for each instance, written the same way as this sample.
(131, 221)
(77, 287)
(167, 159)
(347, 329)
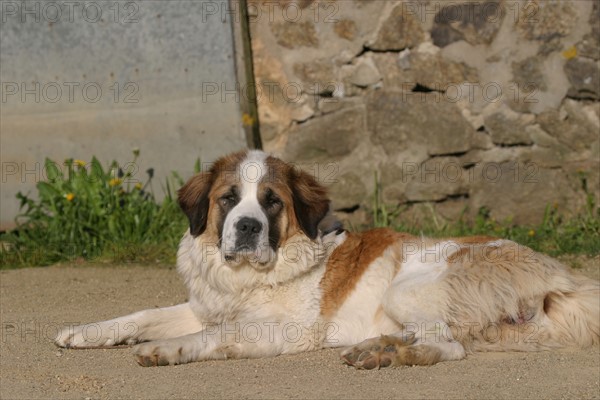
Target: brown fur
(349, 261)
(199, 195)
(193, 197)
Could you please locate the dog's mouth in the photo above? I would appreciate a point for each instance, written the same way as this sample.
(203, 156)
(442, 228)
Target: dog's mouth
(259, 257)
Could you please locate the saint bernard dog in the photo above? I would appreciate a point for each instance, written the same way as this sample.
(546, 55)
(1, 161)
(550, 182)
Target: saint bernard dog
(270, 272)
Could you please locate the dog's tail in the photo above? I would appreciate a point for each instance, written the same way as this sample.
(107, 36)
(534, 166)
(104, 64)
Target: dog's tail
(560, 318)
(573, 317)
(533, 303)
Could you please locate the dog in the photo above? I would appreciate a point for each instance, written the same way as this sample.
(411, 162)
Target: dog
(270, 272)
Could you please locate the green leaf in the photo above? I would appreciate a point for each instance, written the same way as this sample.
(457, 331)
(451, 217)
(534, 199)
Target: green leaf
(53, 171)
(47, 191)
(97, 172)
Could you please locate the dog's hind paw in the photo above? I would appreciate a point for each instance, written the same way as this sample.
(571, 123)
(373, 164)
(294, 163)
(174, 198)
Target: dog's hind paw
(387, 350)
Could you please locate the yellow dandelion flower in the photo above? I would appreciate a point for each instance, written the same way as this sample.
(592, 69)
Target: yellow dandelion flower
(571, 52)
(138, 186)
(247, 119)
(531, 233)
(80, 163)
(69, 196)
(115, 182)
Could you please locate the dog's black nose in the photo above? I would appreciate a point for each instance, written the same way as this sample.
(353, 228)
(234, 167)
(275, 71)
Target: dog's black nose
(248, 226)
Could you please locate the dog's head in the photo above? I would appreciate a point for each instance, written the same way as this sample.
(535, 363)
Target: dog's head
(250, 204)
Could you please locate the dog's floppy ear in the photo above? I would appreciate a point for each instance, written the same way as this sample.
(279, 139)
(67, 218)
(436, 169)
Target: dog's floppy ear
(311, 203)
(193, 200)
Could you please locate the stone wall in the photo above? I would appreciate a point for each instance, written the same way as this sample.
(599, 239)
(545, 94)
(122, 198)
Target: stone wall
(457, 105)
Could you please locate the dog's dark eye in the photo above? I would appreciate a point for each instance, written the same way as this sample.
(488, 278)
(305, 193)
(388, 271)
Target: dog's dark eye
(228, 200)
(272, 201)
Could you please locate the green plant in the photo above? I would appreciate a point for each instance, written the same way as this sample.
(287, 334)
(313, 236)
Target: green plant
(383, 216)
(91, 212)
(555, 235)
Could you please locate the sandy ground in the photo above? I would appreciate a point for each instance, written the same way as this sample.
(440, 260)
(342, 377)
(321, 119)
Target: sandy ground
(35, 302)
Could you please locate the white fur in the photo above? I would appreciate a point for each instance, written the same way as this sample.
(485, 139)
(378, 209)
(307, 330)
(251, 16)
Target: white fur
(415, 298)
(250, 172)
(355, 319)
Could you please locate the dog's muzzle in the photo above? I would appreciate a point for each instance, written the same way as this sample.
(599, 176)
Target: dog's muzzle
(247, 234)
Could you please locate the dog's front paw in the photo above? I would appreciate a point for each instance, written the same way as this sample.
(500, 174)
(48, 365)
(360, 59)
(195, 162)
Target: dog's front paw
(160, 353)
(94, 335)
(83, 336)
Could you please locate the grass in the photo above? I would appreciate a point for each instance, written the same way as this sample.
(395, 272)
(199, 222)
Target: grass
(555, 235)
(96, 214)
(93, 213)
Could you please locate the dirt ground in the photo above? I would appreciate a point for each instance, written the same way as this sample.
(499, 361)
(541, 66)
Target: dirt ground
(35, 302)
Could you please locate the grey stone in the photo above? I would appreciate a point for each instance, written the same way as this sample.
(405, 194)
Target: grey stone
(588, 171)
(317, 76)
(482, 140)
(547, 22)
(544, 157)
(437, 73)
(429, 70)
(541, 137)
(528, 75)
(393, 182)
(365, 73)
(348, 190)
(328, 105)
(577, 129)
(345, 29)
(476, 23)
(292, 35)
(326, 138)
(584, 76)
(508, 127)
(436, 179)
(590, 45)
(452, 209)
(301, 113)
(399, 31)
(517, 192)
(402, 121)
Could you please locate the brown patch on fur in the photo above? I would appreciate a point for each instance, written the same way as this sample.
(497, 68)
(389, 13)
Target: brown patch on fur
(195, 196)
(349, 261)
(474, 239)
(458, 256)
(306, 200)
(310, 201)
(473, 248)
